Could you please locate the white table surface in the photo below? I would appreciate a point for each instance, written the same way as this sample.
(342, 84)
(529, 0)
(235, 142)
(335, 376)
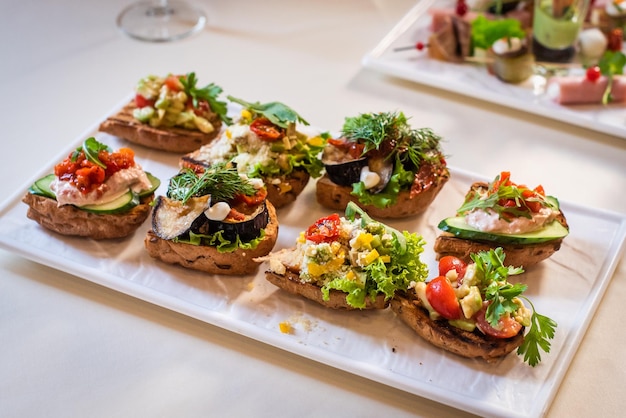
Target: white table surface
(70, 348)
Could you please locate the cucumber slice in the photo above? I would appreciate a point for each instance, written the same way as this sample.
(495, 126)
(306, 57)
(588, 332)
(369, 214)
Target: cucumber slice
(123, 203)
(459, 228)
(42, 187)
(155, 185)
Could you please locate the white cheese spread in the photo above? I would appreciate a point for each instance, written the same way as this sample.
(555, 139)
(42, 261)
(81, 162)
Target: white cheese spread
(489, 221)
(133, 178)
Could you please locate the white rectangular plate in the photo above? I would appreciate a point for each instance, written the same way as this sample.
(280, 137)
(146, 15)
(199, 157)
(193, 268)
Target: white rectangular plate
(473, 80)
(375, 345)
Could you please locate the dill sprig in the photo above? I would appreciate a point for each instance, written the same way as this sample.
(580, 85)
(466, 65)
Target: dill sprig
(220, 181)
(391, 131)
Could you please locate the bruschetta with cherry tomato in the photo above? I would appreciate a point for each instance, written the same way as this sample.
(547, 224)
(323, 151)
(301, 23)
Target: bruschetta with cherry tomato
(268, 141)
(216, 221)
(94, 192)
(525, 222)
(472, 310)
(171, 114)
(348, 262)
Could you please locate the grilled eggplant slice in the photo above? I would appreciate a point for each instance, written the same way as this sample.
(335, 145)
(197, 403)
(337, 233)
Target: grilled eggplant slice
(246, 230)
(173, 218)
(345, 173)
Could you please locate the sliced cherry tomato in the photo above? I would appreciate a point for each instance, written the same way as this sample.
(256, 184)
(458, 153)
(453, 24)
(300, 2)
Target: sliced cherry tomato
(450, 262)
(507, 327)
(173, 83)
(324, 229)
(441, 296)
(266, 130)
(141, 101)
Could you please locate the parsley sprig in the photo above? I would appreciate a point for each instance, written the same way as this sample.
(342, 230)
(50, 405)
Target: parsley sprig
(222, 182)
(278, 113)
(504, 298)
(391, 131)
(209, 93)
(611, 63)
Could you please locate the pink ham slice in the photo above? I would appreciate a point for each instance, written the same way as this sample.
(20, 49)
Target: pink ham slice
(579, 90)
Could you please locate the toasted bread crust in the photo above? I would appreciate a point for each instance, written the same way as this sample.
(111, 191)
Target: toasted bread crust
(208, 259)
(71, 221)
(517, 255)
(336, 197)
(455, 340)
(178, 140)
(290, 282)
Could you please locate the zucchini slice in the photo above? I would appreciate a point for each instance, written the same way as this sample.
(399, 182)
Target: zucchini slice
(460, 229)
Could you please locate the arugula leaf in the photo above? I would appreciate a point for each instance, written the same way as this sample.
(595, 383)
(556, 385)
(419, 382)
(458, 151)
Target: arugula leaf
(500, 192)
(208, 93)
(91, 148)
(278, 113)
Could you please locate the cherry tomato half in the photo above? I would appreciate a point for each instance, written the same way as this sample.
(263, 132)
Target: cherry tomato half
(507, 327)
(324, 229)
(450, 262)
(266, 130)
(442, 298)
(173, 83)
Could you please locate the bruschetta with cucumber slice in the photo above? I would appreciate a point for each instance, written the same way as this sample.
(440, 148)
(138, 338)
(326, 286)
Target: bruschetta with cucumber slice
(94, 192)
(526, 223)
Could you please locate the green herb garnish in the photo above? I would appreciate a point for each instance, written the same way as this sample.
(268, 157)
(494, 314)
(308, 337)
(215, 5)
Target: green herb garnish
(485, 31)
(278, 113)
(91, 148)
(208, 93)
(493, 274)
(222, 182)
(500, 194)
(611, 63)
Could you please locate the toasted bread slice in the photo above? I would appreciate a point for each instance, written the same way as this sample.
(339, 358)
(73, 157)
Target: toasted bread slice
(336, 197)
(209, 259)
(72, 221)
(455, 340)
(177, 140)
(290, 282)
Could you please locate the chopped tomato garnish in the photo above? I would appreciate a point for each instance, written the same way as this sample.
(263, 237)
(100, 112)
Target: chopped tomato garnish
(254, 199)
(324, 229)
(173, 83)
(354, 149)
(141, 101)
(266, 130)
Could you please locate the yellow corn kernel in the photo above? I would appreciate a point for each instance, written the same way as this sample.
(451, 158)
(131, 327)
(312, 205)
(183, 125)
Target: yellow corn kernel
(284, 187)
(245, 114)
(229, 134)
(363, 240)
(351, 275)
(373, 255)
(385, 258)
(335, 246)
(316, 141)
(316, 269)
(285, 327)
(301, 238)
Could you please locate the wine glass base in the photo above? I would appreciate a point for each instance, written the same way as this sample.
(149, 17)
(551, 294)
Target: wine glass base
(160, 21)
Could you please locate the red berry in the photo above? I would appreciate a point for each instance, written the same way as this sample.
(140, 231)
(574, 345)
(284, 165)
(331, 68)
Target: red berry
(593, 73)
(419, 46)
(461, 8)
